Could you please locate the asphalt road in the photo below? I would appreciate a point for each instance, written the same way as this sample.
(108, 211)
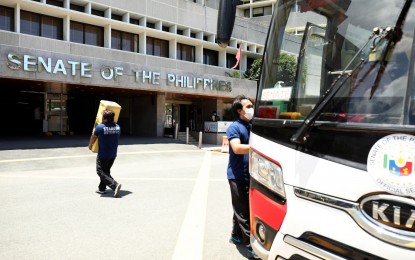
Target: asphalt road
(174, 204)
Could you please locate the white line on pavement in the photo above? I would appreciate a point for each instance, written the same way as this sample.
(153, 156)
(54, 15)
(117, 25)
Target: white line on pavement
(25, 176)
(92, 155)
(189, 244)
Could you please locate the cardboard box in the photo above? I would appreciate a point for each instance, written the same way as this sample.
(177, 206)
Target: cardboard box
(105, 105)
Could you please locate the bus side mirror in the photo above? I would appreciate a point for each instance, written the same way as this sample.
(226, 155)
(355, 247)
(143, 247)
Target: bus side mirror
(226, 20)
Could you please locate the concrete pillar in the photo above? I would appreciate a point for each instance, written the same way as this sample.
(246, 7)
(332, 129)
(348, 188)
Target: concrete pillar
(243, 62)
(88, 8)
(222, 58)
(67, 28)
(161, 115)
(142, 43)
(199, 54)
(126, 18)
(17, 18)
(173, 49)
(107, 36)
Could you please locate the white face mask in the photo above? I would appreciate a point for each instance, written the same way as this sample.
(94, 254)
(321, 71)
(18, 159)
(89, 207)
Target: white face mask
(249, 113)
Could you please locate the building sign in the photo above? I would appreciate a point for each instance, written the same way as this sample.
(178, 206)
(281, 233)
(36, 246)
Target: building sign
(217, 127)
(271, 94)
(31, 63)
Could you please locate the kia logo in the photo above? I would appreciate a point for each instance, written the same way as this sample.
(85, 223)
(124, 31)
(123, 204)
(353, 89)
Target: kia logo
(394, 213)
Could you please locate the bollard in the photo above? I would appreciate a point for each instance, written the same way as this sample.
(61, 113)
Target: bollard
(176, 131)
(200, 139)
(187, 135)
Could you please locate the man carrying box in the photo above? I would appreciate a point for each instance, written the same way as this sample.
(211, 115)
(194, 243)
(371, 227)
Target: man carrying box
(107, 134)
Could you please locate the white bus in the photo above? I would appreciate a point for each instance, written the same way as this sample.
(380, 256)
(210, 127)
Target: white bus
(332, 158)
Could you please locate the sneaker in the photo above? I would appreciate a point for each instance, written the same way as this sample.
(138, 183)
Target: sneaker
(100, 191)
(235, 240)
(117, 190)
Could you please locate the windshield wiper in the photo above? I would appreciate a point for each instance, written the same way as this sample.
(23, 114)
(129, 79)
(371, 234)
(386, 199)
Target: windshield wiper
(301, 135)
(391, 35)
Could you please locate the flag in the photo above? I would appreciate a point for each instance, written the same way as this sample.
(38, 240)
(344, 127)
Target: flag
(238, 57)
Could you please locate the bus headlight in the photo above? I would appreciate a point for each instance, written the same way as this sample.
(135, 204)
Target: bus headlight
(267, 173)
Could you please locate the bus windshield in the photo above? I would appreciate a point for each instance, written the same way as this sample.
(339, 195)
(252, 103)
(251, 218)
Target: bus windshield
(314, 43)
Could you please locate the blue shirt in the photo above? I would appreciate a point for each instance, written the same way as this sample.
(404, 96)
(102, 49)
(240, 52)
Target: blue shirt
(238, 163)
(108, 135)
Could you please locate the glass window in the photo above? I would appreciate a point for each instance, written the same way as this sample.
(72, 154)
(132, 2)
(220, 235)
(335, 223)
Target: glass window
(58, 3)
(134, 21)
(98, 12)
(268, 10)
(87, 34)
(122, 40)
(257, 11)
(116, 17)
(116, 40)
(94, 35)
(210, 57)
(29, 23)
(6, 18)
(157, 47)
(52, 27)
(128, 40)
(77, 32)
(41, 25)
(230, 60)
(336, 50)
(78, 8)
(185, 52)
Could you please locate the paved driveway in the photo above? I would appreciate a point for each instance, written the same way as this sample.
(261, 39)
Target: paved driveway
(174, 204)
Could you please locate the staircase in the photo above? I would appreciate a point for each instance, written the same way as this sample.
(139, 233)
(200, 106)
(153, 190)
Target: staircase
(182, 137)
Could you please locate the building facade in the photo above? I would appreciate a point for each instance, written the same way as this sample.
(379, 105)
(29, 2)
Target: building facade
(157, 59)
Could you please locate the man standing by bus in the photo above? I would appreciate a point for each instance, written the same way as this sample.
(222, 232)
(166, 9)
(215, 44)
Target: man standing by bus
(107, 134)
(238, 173)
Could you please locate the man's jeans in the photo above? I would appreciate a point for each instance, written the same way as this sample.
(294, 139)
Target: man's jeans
(104, 172)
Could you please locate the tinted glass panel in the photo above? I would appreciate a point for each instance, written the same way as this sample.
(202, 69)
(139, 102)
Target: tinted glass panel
(77, 32)
(94, 35)
(29, 23)
(52, 27)
(128, 42)
(336, 41)
(157, 47)
(230, 60)
(55, 3)
(122, 40)
(210, 57)
(116, 17)
(78, 8)
(116, 40)
(98, 12)
(6, 19)
(185, 52)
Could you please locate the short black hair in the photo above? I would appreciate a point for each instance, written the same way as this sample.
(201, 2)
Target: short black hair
(238, 105)
(108, 115)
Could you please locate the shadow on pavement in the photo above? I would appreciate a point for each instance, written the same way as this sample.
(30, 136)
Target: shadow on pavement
(45, 142)
(110, 194)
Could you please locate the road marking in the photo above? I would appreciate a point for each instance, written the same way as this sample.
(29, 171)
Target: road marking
(91, 155)
(189, 244)
(95, 177)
